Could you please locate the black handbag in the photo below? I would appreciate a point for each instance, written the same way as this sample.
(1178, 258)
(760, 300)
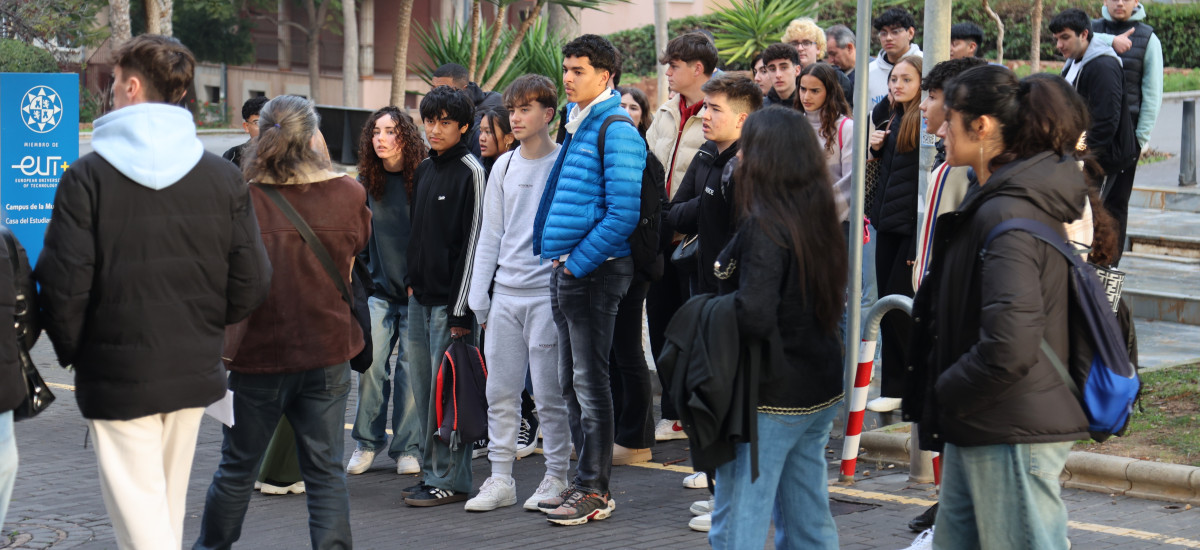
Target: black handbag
(687, 255)
(37, 394)
(358, 308)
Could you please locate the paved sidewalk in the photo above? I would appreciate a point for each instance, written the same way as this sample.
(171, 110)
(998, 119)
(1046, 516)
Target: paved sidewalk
(57, 502)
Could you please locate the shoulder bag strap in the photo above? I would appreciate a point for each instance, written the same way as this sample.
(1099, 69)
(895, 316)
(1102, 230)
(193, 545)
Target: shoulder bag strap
(310, 239)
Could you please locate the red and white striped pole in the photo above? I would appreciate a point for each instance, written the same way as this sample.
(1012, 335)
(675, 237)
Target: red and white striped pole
(858, 406)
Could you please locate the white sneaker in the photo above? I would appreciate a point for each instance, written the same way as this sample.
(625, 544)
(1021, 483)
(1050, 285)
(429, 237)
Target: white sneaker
(550, 488)
(494, 493)
(295, 488)
(924, 541)
(701, 523)
(408, 464)
(360, 461)
(698, 480)
(527, 439)
(701, 507)
(883, 404)
(667, 430)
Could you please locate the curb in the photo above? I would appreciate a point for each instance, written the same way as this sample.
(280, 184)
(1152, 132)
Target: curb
(1180, 96)
(1095, 472)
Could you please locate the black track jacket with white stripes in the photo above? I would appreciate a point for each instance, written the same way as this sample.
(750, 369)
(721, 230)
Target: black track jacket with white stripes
(447, 211)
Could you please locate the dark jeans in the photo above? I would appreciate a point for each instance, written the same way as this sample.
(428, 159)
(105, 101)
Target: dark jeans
(585, 311)
(663, 300)
(314, 401)
(632, 400)
(1117, 189)
(894, 275)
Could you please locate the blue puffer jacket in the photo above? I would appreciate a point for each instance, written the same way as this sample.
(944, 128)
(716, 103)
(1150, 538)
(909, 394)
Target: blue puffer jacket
(589, 211)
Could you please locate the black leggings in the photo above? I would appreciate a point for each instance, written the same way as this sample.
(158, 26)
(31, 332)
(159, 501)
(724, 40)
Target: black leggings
(894, 276)
(632, 400)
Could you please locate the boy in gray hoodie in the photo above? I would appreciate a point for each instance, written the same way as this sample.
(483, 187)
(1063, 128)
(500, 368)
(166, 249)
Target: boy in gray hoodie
(517, 317)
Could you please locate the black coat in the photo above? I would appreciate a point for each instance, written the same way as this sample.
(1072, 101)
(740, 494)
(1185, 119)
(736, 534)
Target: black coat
(978, 377)
(1112, 137)
(137, 285)
(896, 196)
(12, 384)
(704, 206)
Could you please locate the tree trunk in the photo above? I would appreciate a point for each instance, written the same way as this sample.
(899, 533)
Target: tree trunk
(498, 26)
(366, 39)
(285, 35)
(400, 61)
(562, 20)
(515, 46)
(999, 32)
(316, 22)
(118, 18)
(153, 17)
(166, 13)
(476, 30)
(1035, 53)
(350, 85)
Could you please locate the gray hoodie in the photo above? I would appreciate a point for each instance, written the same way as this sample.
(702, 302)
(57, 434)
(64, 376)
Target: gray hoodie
(1094, 50)
(153, 144)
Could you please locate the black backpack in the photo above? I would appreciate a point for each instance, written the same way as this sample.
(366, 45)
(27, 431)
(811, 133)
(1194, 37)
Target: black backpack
(460, 397)
(644, 245)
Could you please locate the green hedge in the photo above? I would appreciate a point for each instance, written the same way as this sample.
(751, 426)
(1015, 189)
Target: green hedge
(1174, 24)
(18, 57)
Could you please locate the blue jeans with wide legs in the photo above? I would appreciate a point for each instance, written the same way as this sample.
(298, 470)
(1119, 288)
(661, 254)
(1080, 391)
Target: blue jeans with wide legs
(428, 338)
(1002, 496)
(790, 489)
(585, 311)
(8, 462)
(389, 328)
(314, 401)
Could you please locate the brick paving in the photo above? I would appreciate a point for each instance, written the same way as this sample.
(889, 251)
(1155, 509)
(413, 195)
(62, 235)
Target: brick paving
(57, 503)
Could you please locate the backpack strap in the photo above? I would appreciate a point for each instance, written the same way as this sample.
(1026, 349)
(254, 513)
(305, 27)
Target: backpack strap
(310, 239)
(840, 126)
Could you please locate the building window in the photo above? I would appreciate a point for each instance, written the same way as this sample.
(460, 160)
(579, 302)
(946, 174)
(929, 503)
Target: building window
(258, 93)
(214, 93)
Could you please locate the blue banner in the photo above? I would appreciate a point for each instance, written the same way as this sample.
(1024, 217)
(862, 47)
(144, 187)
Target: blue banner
(39, 139)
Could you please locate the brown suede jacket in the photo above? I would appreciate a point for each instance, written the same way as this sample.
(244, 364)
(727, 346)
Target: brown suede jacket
(305, 324)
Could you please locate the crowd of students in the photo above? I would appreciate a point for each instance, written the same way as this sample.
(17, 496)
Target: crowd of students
(478, 225)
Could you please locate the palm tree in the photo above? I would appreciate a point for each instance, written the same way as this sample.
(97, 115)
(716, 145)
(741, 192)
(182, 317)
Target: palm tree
(746, 27)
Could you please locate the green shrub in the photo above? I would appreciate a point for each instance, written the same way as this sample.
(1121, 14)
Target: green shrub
(637, 45)
(540, 52)
(19, 57)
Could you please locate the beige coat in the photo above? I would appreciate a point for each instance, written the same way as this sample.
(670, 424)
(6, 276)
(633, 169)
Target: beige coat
(661, 137)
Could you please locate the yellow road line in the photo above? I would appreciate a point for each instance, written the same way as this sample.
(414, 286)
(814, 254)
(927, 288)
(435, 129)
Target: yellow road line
(67, 387)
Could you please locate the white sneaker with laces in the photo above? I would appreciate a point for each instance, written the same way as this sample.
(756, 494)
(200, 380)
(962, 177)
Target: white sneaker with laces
(701, 507)
(701, 523)
(549, 488)
(407, 464)
(883, 404)
(360, 461)
(698, 480)
(494, 493)
(924, 541)
(667, 430)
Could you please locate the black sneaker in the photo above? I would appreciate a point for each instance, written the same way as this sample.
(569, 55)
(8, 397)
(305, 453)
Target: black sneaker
(481, 449)
(581, 507)
(925, 520)
(526, 438)
(434, 496)
(410, 491)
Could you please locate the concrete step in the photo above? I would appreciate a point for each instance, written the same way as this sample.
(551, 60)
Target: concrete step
(1161, 288)
(1162, 344)
(1155, 231)
(1183, 199)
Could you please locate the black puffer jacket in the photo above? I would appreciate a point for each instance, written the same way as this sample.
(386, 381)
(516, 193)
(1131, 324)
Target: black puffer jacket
(138, 284)
(12, 385)
(896, 197)
(978, 377)
(703, 205)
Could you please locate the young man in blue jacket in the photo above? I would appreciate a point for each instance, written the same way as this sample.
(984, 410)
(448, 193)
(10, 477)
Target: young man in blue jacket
(589, 208)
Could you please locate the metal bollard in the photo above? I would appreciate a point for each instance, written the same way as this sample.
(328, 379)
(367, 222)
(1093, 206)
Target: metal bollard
(1187, 154)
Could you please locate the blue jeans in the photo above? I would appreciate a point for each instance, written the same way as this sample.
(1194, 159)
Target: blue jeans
(314, 401)
(585, 311)
(1002, 496)
(8, 462)
(428, 338)
(389, 328)
(791, 487)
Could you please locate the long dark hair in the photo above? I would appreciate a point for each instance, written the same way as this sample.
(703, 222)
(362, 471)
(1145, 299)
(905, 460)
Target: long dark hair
(1040, 113)
(783, 186)
(639, 97)
(835, 105)
(497, 117)
(370, 166)
(282, 150)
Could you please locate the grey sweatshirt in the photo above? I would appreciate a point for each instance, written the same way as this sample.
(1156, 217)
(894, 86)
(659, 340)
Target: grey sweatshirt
(505, 249)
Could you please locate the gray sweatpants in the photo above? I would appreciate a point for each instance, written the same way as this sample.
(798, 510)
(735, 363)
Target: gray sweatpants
(521, 334)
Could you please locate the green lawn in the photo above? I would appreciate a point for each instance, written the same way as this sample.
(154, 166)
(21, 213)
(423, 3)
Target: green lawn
(1172, 82)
